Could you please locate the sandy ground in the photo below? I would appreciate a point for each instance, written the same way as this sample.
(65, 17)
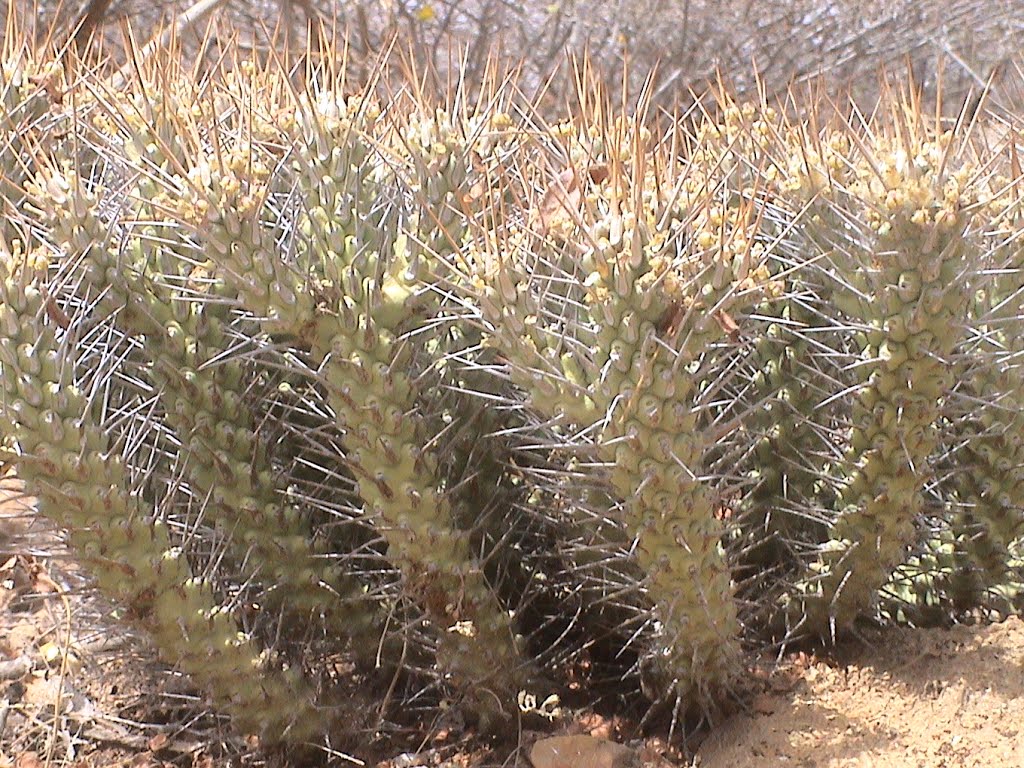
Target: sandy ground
(913, 699)
(904, 698)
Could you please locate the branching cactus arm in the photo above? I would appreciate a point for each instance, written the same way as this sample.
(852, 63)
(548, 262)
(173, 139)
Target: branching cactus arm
(362, 308)
(657, 272)
(203, 400)
(987, 422)
(905, 277)
(83, 486)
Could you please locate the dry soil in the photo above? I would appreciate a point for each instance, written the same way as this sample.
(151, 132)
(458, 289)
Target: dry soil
(901, 698)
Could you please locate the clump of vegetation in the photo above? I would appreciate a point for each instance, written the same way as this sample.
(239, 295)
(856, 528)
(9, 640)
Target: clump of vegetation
(457, 404)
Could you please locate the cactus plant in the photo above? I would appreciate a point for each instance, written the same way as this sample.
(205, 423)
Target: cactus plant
(361, 302)
(987, 417)
(202, 399)
(606, 316)
(65, 459)
(486, 398)
(904, 265)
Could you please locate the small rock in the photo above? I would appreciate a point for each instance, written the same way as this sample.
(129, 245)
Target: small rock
(15, 669)
(408, 760)
(580, 752)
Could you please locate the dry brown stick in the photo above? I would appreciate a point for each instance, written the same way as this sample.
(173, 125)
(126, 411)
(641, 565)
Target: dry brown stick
(184, 20)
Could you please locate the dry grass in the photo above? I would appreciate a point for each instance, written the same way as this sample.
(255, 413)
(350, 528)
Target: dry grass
(677, 47)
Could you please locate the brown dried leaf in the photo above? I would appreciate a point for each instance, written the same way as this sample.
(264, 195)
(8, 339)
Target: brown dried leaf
(727, 324)
(28, 760)
(58, 315)
(599, 173)
(562, 201)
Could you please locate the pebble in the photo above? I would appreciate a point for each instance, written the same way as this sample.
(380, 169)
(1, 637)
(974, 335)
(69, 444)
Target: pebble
(581, 752)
